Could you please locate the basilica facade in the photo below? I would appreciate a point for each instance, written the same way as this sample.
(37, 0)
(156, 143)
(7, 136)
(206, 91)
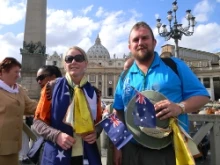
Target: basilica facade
(103, 70)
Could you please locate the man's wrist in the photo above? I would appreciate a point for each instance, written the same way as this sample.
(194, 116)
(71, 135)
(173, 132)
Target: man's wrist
(182, 107)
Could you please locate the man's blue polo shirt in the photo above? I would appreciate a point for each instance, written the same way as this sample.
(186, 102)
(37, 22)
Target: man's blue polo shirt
(163, 79)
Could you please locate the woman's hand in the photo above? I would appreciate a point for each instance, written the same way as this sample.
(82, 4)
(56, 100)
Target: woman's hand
(65, 141)
(89, 138)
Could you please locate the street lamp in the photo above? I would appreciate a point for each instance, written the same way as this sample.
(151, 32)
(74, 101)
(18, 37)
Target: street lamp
(176, 31)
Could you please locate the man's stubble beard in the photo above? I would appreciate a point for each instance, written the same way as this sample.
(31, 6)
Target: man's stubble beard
(147, 56)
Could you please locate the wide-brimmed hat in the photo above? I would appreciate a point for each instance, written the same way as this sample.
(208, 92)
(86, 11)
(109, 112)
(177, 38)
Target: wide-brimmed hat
(154, 138)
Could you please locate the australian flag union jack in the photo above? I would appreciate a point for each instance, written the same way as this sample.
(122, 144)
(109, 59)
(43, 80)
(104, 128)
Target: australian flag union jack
(116, 131)
(144, 112)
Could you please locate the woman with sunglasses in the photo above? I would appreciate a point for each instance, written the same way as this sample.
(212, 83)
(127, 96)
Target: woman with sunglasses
(14, 103)
(47, 73)
(67, 118)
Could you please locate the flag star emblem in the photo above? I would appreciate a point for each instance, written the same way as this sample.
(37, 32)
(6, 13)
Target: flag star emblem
(118, 130)
(106, 124)
(67, 93)
(60, 155)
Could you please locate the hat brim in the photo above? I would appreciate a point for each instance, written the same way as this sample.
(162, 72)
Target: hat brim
(139, 136)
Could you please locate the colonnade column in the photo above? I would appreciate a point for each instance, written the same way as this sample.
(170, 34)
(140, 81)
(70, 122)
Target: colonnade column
(212, 88)
(103, 86)
(201, 79)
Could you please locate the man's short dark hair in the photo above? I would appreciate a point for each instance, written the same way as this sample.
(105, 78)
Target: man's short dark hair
(141, 24)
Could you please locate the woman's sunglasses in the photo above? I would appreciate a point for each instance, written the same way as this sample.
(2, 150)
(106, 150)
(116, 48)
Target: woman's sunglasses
(41, 77)
(77, 58)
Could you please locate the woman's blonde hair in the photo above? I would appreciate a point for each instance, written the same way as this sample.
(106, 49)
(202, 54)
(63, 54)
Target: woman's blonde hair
(76, 48)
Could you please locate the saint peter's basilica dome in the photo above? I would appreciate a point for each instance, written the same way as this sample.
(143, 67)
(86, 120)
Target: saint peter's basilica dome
(98, 51)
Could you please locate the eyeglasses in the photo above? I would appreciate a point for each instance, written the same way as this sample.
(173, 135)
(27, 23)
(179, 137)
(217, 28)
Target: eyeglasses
(77, 58)
(41, 77)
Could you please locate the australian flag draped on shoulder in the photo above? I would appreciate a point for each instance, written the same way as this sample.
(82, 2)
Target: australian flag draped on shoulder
(116, 131)
(144, 112)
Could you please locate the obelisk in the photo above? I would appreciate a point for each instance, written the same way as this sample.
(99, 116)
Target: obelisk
(34, 45)
(35, 24)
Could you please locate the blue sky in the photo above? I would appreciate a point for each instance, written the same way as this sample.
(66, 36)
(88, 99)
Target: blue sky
(79, 22)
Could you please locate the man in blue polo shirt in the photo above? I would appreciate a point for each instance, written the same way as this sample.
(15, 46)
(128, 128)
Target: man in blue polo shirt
(184, 93)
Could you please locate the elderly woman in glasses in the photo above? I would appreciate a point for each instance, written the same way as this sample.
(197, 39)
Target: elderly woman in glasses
(14, 103)
(66, 116)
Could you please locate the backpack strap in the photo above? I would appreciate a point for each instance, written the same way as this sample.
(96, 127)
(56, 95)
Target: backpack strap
(169, 62)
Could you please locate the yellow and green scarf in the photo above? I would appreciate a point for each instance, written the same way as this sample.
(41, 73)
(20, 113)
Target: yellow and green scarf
(82, 117)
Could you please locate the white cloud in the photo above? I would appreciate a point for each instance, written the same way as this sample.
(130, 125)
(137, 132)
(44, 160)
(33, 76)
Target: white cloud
(99, 12)
(77, 30)
(10, 45)
(87, 9)
(10, 13)
(68, 31)
(157, 16)
(209, 34)
(64, 29)
(202, 10)
(15, 11)
(217, 0)
(115, 29)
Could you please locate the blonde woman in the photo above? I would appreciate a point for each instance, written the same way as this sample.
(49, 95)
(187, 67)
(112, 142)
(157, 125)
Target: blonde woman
(69, 145)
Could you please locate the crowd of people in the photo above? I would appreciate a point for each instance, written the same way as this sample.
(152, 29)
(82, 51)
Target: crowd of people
(69, 110)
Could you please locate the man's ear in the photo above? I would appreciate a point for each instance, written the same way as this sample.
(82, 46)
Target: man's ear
(155, 43)
(129, 46)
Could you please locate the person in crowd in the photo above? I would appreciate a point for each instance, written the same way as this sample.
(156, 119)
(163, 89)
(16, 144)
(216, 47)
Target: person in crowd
(70, 143)
(47, 73)
(128, 63)
(184, 93)
(14, 104)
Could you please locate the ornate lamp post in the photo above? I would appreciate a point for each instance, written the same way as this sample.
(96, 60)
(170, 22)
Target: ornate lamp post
(176, 30)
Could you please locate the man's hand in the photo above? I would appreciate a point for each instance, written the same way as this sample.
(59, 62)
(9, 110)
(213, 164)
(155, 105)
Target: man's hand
(89, 138)
(65, 141)
(117, 156)
(166, 109)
